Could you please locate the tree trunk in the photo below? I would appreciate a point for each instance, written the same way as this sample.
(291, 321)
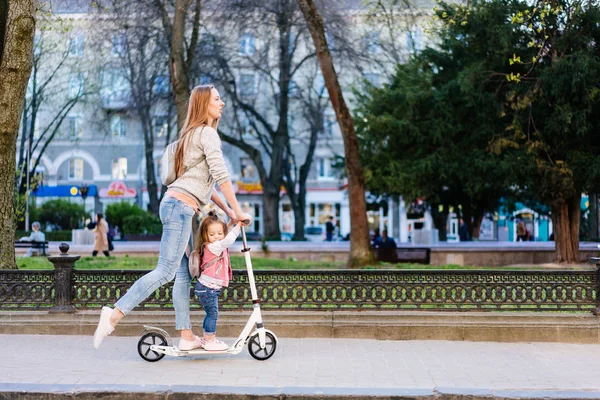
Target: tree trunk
(440, 221)
(15, 68)
(476, 228)
(3, 25)
(151, 184)
(271, 214)
(179, 74)
(300, 213)
(360, 251)
(565, 220)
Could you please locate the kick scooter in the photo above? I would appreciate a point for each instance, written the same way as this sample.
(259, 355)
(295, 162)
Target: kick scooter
(155, 342)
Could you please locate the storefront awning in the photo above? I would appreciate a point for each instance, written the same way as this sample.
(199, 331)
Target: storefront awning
(64, 191)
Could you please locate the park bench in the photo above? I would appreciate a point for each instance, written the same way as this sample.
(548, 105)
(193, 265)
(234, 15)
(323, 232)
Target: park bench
(40, 246)
(420, 255)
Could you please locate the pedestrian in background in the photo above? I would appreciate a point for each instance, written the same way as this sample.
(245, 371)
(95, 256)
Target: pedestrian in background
(329, 230)
(100, 236)
(36, 236)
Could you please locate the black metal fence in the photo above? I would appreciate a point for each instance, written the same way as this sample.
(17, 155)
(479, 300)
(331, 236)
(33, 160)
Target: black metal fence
(438, 290)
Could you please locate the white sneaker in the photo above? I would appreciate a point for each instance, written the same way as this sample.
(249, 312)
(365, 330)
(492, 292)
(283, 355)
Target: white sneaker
(104, 327)
(187, 345)
(215, 345)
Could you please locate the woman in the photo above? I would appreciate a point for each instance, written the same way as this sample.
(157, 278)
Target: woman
(100, 236)
(199, 164)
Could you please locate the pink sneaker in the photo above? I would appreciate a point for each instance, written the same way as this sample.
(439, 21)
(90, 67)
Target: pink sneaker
(215, 345)
(187, 345)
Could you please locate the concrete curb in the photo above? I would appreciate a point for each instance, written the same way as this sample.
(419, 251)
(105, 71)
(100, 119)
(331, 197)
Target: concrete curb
(159, 392)
(384, 325)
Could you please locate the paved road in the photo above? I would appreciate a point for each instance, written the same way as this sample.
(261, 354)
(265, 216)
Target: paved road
(308, 367)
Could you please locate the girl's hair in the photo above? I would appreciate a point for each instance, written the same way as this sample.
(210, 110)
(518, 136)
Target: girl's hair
(197, 116)
(99, 217)
(202, 234)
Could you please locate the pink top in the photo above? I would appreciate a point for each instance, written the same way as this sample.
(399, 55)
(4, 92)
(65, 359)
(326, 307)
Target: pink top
(219, 273)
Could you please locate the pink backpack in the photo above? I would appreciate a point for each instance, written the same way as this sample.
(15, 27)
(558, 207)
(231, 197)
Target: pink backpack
(194, 262)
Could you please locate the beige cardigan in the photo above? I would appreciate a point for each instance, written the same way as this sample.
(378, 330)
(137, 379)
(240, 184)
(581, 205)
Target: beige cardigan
(204, 164)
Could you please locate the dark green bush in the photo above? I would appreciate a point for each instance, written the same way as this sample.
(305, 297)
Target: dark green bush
(116, 213)
(63, 214)
(145, 223)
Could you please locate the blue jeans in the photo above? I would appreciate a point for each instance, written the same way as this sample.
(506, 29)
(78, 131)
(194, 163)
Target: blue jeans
(176, 218)
(209, 298)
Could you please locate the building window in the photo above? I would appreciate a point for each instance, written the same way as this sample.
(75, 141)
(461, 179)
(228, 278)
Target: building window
(248, 170)
(293, 89)
(73, 128)
(329, 123)
(330, 40)
(371, 42)
(76, 168)
(246, 127)
(247, 84)
(246, 43)
(325, 170)
(414, 40)
(119, 41)
(115, 85)
(207, 44)
(76, 45)
(160, 124)
(37, 47)
(76, 85)
(205, 79)
(119, 168)
(117, 126)
(161, 85)
(291, 122)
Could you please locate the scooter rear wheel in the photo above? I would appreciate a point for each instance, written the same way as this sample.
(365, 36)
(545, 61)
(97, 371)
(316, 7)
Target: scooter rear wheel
(150, 339)
(262, 354)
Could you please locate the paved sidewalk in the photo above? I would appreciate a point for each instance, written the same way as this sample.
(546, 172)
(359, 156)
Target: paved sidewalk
(301, 368)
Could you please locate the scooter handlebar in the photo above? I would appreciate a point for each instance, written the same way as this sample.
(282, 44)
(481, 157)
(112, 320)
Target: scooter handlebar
(246, 222)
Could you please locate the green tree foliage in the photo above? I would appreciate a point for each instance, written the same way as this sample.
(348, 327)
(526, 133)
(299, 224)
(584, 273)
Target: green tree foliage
(427, 134)
(508, 99)
(146, 223)
(555, 109)
(62, 213)
(132, 219)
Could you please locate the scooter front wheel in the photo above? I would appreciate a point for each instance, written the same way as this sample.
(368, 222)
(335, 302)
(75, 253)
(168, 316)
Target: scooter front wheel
(150, 339)
(262, 354)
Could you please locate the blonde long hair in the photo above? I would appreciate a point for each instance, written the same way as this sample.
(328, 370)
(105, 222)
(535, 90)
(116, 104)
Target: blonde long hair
(201, 237)
(197, 116)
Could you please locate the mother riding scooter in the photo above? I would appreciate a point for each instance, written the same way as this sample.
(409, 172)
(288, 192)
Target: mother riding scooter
(190, 169)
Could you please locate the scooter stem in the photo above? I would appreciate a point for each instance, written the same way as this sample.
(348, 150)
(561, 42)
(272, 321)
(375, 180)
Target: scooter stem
(246, 251)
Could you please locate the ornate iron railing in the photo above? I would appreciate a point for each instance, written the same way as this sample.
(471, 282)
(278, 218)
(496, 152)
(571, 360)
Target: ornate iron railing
(445, 290)
(26, 289)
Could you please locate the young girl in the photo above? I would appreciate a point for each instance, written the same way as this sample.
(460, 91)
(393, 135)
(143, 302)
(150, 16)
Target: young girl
(211, 245)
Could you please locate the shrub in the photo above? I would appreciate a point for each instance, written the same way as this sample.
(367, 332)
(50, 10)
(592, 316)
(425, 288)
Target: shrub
(146, 223)
(117, 212)
(62, 214)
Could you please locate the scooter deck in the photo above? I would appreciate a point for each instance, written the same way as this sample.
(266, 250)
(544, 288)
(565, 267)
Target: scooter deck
(174, 351)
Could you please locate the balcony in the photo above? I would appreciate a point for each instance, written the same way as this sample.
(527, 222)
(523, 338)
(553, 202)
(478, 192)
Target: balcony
(117, 100)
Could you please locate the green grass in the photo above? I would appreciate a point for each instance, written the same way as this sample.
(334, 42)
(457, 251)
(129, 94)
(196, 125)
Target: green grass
(237, 262)
(148, 263)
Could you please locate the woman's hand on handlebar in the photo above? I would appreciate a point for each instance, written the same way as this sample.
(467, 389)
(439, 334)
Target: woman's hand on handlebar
(245, 219)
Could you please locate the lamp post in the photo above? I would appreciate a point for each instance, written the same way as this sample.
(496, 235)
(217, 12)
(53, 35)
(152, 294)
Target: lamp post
(83, 190)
